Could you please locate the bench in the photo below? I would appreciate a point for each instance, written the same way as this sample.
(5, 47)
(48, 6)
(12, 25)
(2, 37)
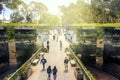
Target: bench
(73, 63)
(35, 61)
(42, 54)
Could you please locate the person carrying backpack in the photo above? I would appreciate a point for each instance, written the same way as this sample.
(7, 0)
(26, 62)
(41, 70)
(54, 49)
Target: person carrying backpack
(49, 72)
(66, 63)
(54, 72)
(43, 61)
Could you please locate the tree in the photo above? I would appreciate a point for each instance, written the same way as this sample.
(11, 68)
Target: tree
(38, 13)
(98, 11)
(12, 4)
(1, 8)
(106, 11)
(16, 17)
(35, 12)
(76, 13)
(52, 19)
(38, 10)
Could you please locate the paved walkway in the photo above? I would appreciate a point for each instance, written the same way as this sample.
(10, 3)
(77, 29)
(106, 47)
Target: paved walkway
(55, 57)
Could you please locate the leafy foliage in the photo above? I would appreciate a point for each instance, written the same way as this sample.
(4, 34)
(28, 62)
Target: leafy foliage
(97, 11)
(76, 13)
(105, 11)
(12, 4)
(15, 18)
(10, 33)
(1, 7)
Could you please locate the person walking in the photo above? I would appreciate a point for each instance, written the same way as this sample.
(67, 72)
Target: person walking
(66, 63)
(47, 42)
(54, 72)
(43, 61)
(53, 37)
(47, 46)
(60, 45)
(49, 72)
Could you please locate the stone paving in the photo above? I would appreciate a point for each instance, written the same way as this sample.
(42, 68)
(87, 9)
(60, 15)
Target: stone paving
(55, 57)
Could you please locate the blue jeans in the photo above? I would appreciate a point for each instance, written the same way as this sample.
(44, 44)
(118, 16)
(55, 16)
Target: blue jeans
(49, 75)
(54, 76)
(43, 66)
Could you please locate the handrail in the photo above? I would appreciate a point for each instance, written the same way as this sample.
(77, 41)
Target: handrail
(84, 69)
(18, 71)
(81, 65)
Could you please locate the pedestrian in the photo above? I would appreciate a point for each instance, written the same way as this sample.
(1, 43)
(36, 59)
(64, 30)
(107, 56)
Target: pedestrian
(49, 72)
(43, 61)
(47, 47)
(66, 63)
(60, 45)
(57, 37)
(47, 42)
(53, 37)
(54, 72)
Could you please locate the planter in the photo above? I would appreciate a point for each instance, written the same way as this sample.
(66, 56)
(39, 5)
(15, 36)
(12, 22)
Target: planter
(78, 74)
(29, 73)
(19, 78)
(26, 74)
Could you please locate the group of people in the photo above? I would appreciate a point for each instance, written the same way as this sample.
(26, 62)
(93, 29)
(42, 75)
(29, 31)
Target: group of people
(49, 46)
(49, 70)
(54, 70)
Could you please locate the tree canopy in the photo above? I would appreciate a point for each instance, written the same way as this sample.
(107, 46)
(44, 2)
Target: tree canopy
(97, 11)
(34, 12)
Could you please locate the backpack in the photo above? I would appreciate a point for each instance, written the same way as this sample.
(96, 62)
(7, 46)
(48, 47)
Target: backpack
(43, 61)
(54, 71)
(66, 61)
(48, 70)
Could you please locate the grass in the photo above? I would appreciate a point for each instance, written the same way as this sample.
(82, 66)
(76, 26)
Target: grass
(75, 25)
(96, 25)
(22, 25)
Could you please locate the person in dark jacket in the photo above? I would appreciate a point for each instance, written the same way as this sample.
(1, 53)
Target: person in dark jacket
(53, 37)
(47, 42)
(47, 46)
(49, 72)
(66, 63)
(43, 61)
(54, 72)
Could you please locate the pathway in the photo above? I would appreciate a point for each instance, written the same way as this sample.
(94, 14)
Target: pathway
(55, 57)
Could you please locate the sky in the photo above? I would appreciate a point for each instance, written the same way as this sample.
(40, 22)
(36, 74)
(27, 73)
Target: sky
(6, 12)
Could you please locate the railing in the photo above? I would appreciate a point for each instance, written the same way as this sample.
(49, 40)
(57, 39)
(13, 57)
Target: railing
(87, 74)
(27, 64)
